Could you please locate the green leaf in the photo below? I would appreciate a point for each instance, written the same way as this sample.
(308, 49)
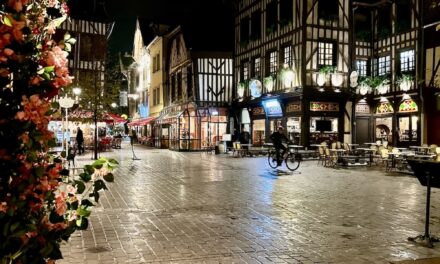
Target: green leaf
(86, 177)
(113, 161)
(68, 47)
(109, 177)
(89, 169)
(86, 203)
(83, 224)
(46, 76)
(99, 185)
(15, 226)
(71, 41)
(49, 69)
(80, 186)
(96, 197)
(7, 21)
(83, 212)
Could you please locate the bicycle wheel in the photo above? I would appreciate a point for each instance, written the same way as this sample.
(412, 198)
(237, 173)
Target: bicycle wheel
(272, 159)
(292, 162)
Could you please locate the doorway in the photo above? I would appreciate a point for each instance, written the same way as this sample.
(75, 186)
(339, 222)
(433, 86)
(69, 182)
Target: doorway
(407, 130)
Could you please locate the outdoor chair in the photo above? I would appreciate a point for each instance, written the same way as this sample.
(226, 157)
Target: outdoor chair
(378, 142)
(333, 146)
(385, 144)
(432, 148)
(321, 155)
(330, 159)
(384, 157)
(236, 149)
(347, 148)
(338, 145)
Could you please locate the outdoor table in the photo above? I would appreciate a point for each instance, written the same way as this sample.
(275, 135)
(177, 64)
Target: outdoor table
(370, 152)
(296, 147)
(373, 143)
(339, 153)
(246, 149)
(420, 148)
(416, 156)
(393, 159)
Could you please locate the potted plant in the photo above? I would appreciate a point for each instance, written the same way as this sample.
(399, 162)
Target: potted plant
(324, 74)
(380, 83)
(405, 82)
(364, 85)
(241, 88)
(268, 83)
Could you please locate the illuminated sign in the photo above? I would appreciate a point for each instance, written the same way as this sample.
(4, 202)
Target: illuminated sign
(272, 108)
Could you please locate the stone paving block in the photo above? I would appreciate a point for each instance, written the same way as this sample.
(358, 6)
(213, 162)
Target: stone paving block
(195, 208)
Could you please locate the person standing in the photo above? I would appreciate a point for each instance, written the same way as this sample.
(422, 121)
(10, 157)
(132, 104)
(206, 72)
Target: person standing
(80, 141)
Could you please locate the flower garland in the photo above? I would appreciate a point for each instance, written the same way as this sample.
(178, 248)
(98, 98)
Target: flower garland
(40, 205)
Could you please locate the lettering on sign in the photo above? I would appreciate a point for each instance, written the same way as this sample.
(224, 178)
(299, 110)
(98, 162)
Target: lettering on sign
(293, 107)
(324, 107)
(362, 108)
(257, 111)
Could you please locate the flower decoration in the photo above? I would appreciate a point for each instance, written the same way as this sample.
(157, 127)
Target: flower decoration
(41, 204)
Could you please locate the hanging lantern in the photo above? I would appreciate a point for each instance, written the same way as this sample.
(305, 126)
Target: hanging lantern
(337, 79)
(321, 79)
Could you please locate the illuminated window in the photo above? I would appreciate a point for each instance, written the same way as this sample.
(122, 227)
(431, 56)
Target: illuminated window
(326, 54)
(273, 62)
(361, 67)
(407, 61)
(257, 67)
(245, 71)
(287, 54)
(384, 65)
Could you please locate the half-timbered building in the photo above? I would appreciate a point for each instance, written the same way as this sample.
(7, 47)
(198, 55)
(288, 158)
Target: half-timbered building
(355, 64)
(431, 93)
(200, 86)
(292, 65)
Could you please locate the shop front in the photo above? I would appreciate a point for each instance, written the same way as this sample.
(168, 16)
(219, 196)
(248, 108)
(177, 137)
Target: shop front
(363, 121)
(144, 130)
(187, 127)
(408, 123)
(325, 122)
(258, 126)
(383, 121)
(293, 121)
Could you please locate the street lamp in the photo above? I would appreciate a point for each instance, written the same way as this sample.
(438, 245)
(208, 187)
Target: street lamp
(66, 103)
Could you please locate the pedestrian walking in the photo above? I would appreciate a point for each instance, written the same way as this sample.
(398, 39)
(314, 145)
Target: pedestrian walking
(80, 141)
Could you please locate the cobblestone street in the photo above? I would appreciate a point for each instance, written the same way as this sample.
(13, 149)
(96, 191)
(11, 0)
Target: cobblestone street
(202, 208)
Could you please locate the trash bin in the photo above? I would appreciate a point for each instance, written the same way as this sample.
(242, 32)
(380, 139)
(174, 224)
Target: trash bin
(217, 150)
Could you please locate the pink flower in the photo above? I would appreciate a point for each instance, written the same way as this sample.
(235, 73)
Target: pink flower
(3, 207)
(60, 203)
(51, 29)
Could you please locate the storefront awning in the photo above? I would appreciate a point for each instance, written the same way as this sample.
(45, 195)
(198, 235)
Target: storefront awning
(168, 118)
(142, 122)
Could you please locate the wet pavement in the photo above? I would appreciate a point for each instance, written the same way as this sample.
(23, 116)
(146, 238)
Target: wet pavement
(171, 207)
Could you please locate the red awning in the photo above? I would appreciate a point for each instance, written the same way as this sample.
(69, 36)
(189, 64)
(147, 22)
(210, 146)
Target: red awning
(142, 122)
(109, 117)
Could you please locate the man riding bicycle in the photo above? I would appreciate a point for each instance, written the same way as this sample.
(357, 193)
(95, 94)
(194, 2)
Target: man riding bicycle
(277, 138)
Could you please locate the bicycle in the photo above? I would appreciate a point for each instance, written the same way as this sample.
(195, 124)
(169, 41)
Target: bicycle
(292, 160)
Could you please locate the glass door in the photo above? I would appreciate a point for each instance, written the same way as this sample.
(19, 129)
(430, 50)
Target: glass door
(408, 132)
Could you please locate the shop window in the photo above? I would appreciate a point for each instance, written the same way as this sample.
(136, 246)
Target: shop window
(384, 65)
(257, 67)
(326, 54)
(384, 129)
(256, 25)
(286, 12)
(361, 67)
(407, 61)
(273, 62)
(271, 17)
(294, 129)
(287, 55)
(258, 132)
(328, 10)
(403, 16)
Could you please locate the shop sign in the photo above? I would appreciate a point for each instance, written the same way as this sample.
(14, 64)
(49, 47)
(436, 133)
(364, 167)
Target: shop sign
(143, 110)
(384, 108)
(123, 99)
(324, 107)
(408, 106)
(273, 108)
(362, 108)
(293, 107)
(256, 111)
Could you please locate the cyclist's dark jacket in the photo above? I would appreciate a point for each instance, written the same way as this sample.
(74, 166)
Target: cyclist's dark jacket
(277, 139)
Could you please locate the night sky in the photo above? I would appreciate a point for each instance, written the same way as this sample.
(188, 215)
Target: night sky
(208, 15)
